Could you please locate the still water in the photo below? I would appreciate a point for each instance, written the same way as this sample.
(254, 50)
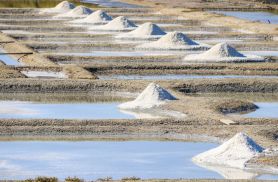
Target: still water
(261, 16)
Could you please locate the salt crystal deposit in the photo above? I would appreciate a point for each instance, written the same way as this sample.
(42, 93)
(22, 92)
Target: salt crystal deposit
(144, 31)
(62, 7)
(44, 74)
(222, 52)
(79, 11)
(233, 153)
(152, 96)
(118, 24)
(173, 41)
(98, 17)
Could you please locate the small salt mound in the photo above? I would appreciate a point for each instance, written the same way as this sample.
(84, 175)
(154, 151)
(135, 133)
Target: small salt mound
(98, 17)
(152, 96)
(233, 153)
(221, 52)
(79, 11)
(117, 24)
(62, 7)
(173, 41)
(144, 31)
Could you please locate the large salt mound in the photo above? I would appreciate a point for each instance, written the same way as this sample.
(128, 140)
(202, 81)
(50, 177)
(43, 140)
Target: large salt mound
(117, 24)
(152, 96)
(98, 17)
(173, 41)
(62, 7)
(79, 11)
(221, 52)
(144, 31)
(233, 153)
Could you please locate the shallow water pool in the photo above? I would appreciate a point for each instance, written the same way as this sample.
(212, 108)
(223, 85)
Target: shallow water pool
(8, 60)
(265, 110)
(119, 53)
(265, 17)
(176, 77)
(39, 110)
(91, 160)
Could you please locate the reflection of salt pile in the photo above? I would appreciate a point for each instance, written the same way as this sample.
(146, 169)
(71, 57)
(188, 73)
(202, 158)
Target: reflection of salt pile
(79, 11)
(144, 31)
(228, 172)
(98, 17)
(152, 96)
(62, 7)
(118, 24)
(221, 52)
(233, 153)
(173, 41)
(16, 107)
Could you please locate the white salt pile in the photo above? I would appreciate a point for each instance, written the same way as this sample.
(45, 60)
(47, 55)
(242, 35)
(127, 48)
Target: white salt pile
(98, 17)
(152, 96)
(233, 153)
(145, 31)
(79, 11)
(118, 24)
(173, 41)
(222, 52)
(62, 7)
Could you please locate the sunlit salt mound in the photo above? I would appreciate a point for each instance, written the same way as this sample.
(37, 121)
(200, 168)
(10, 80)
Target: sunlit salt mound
(79, 11)
(152, 96)
(233, 153)
(98, 17)
(118, 24)
(222, 52)
(173, 41)
(144, 31)
(62, 7)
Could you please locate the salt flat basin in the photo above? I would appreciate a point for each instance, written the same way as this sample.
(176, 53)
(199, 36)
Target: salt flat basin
(44, 74)
(252, 15)
(111, 3)
(265, 110)
(8, 60)
(91, 160)
(39, 110)
(75, 110)
(261, 53)
(119, 53)
(176, 77)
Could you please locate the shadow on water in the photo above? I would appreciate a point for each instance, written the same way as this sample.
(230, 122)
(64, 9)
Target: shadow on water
(38, 3)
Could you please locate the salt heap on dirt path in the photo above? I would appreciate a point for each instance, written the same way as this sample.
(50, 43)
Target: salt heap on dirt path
(62, 7)
(79, 11)
(233, 153)
(117, 24)
(144, 31)
(222, 52)
(98, 17)
(152, 96)
(173, 41)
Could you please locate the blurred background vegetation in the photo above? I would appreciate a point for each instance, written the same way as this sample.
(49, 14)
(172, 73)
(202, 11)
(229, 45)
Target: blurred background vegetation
(38, 3)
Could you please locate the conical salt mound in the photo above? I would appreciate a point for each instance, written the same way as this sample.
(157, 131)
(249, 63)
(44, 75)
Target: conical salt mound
(152, 96)
(222, 52)
(233, 153)
(117, 24)
(173, 40)
(79, 11)
(146, 30)
(62, 7)
(98, 17)
(65, 6)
